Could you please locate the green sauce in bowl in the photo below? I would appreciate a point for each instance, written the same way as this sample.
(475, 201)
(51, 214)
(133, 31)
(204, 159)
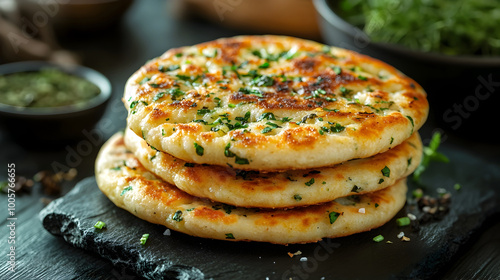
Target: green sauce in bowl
(45, 88)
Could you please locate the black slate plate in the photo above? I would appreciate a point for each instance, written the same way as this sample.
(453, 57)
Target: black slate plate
(178, 256)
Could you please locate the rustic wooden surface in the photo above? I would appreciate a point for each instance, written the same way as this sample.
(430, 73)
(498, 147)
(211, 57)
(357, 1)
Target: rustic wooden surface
(147, 31)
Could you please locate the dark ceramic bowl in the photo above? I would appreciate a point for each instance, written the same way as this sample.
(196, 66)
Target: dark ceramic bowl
(463, 91)
(54, 125)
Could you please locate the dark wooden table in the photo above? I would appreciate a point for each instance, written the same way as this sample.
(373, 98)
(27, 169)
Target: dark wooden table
(147, 30)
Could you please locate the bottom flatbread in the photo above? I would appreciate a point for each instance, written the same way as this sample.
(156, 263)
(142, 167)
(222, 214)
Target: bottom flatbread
(130, 186)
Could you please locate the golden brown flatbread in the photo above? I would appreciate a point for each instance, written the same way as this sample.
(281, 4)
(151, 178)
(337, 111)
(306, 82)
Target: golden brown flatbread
(129, 185)
(272, 103)
(280, 189)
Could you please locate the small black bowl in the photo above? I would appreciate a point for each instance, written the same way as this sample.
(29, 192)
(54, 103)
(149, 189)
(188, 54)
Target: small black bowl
(41, 128)
(463, 91)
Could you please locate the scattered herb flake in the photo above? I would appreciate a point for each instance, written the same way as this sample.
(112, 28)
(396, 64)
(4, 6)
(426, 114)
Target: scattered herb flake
(100, 225)
(333, 217)
(267, 116)
(337, 70)
(144, 238)
(386, 171)
(126, 190)
(310, 182)
(241, 161)
(177, 216)
(169, 68)
(404, 221)
(356, 189)
(199, 149)
(378, 238)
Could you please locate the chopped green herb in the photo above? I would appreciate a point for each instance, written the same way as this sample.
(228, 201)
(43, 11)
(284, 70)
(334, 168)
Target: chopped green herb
(266, 129)
(356, 189)
(145, 80)
(430, 154)
(158, 96)
(378, 238)
(241, 161)
(227, 152)
(262, 81)
(199, 149)
(229, 236)
(344, 91)
(126, 190)
(251, 91)
(386, 171)
(267, 116)
(169, 68)
(412, 123)
(404, 221)
(310, 182)
(297, 197)
(457, 186)
(100, 225)
(203, 111)
(144, 238)
(330, 110)
(175, 93)
(228, 208)
(337, 70)
(337, 128)
(333, 217)
(177, 216)
(417, 193)
(264, 65)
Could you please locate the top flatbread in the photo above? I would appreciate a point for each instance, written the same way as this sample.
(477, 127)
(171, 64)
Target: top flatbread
(271, 103)
(129, 185)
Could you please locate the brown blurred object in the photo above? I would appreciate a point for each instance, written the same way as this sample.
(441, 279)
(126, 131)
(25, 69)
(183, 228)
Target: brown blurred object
(76, 15)
(29, 28)
(23, 39)
(285, 17)
(51, 183)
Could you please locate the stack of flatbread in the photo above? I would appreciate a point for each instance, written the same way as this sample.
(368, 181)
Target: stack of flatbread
(265, 138)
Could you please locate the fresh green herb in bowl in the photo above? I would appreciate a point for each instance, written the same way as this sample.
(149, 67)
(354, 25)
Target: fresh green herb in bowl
(450, 48)
(464, 27)
(50, 104)
(45, 88)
